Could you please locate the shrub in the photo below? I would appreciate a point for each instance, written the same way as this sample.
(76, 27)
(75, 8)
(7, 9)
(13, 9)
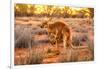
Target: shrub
(78, 39)
(23, 36)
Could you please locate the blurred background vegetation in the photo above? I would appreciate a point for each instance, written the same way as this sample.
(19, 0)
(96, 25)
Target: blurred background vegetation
(54, 11)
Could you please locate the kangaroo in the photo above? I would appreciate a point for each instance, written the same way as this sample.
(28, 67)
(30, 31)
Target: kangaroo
(59, 31)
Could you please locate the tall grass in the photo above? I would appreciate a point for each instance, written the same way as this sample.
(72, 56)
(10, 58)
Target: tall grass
(36, 57)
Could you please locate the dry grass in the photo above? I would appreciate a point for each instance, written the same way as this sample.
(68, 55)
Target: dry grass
(24, 56)
(36, 57)
(71, 55)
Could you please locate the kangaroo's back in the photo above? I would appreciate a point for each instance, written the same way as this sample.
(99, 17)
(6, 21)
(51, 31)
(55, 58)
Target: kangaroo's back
(57, 25)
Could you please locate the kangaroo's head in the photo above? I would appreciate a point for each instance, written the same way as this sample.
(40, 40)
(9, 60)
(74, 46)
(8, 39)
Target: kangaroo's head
(45, 23)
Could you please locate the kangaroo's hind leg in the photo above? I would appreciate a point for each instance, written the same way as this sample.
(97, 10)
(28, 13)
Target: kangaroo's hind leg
(56, 38)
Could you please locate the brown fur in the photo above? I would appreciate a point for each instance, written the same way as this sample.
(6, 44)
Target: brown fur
(61, 32)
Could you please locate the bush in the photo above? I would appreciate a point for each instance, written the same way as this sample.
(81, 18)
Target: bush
(78, 39)
(23, 36)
